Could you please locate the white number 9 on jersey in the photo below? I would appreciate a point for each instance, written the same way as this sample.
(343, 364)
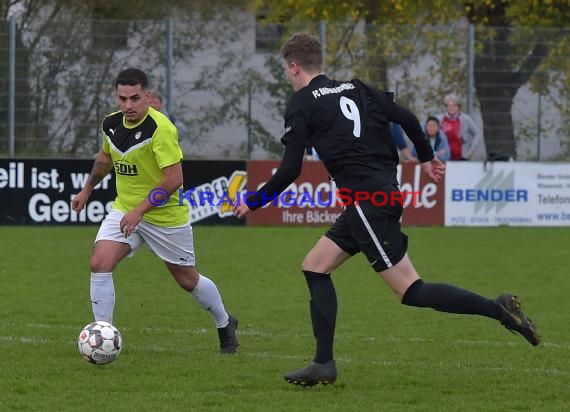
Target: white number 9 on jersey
(350, 111)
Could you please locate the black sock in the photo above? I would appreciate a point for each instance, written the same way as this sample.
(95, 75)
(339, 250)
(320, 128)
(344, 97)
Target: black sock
(451, 299)
(323, 307)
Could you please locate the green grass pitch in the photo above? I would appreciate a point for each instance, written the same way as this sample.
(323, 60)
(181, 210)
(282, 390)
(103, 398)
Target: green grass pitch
(390, 357)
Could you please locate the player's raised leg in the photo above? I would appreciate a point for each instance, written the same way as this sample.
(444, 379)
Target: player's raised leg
(413, 291)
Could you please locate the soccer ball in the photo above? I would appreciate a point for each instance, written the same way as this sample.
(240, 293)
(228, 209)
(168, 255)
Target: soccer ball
(100, 342)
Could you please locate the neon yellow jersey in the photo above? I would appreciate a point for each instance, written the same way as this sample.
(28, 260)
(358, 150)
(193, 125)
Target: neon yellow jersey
(139, 152)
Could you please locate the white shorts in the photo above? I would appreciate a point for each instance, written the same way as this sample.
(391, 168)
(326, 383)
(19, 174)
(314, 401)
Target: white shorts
(171, 244)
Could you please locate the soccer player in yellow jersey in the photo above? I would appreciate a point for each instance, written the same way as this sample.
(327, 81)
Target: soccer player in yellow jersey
(141, 145)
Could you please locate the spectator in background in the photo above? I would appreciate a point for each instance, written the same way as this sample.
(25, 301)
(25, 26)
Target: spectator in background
(156, 101)
(462, 134)
(400, 142)
(436, 139)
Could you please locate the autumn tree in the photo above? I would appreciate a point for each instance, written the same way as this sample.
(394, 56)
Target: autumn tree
(70, 49)
(516, 43)
(73, 49)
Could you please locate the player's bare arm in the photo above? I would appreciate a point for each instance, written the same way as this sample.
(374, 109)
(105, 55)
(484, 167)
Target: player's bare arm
(172, 179)
(101, 167)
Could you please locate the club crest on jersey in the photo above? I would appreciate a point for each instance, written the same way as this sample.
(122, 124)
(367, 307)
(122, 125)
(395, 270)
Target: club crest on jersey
(138, 135)
(125, 168)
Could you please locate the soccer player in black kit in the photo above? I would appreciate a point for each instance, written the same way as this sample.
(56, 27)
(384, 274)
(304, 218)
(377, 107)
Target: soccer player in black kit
(348, 124)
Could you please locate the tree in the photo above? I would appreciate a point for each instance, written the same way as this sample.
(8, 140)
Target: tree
(510, 51)
(73, 49)
(509, 55)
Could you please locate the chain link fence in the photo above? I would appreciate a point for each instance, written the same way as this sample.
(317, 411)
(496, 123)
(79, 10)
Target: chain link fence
(225, 90)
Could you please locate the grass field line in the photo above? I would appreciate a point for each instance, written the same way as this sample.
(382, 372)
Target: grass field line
(36, 340)
(252, 332)
(467, 365)
(440, 365)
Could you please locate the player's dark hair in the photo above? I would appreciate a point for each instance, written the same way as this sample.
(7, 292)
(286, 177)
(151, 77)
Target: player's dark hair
(132, 77)
(305, 50)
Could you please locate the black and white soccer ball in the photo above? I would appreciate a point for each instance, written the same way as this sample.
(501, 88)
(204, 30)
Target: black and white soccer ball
(100, 342)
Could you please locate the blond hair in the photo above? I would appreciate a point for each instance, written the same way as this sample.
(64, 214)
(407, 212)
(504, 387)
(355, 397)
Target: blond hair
(451, 98)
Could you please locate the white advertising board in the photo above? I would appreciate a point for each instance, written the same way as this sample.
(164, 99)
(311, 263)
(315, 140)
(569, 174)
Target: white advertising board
(507, 193)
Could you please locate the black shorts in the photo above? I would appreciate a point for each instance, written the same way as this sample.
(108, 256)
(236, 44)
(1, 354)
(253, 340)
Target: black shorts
(372, 230)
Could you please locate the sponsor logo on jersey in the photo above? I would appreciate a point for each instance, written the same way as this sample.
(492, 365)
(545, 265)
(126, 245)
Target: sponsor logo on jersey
(126, 168)
(138, 135)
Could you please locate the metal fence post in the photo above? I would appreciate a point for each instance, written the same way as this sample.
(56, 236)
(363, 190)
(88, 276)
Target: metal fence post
(470, 68)
(169, 60)
(249, 134)
(323, 40)
(11, 86)
(538, 125)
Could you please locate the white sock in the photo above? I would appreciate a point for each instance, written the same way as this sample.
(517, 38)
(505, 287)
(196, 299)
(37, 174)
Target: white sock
(102, 296)
(208, 296)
